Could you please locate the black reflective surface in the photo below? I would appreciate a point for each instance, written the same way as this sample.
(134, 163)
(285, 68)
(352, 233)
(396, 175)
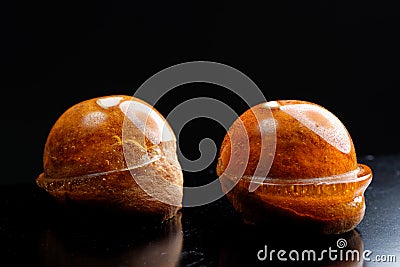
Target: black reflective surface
(34, 231)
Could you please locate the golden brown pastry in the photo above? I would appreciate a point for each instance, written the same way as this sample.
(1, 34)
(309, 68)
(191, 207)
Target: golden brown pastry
(312, 179)
(115, 152)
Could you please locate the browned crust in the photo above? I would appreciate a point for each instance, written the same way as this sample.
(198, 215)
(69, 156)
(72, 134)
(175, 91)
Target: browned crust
(320, 216)
(85, 164)
(117, 191)
(300, 153)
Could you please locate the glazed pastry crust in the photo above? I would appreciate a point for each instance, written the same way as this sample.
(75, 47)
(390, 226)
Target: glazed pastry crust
(300, 152)
(305, 186)
(88, 161)
(328, 209)
(117, 192)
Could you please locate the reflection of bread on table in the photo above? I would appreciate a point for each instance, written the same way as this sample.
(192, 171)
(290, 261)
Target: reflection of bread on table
(122, 248)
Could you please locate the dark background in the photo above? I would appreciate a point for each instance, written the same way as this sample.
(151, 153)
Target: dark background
(343, 55)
